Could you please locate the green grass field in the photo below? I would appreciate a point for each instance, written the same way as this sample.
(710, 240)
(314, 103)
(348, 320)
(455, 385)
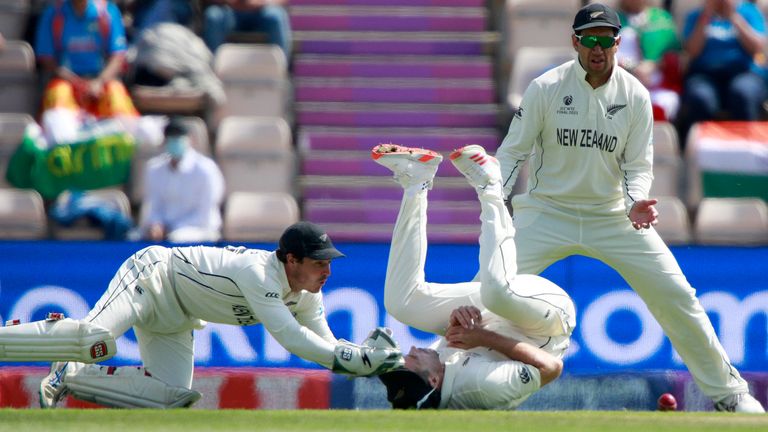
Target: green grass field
(103, 420)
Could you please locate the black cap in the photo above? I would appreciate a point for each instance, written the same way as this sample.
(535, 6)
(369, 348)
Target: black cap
(405, 389)
(305, 239)
(596, 15)
(176, 127)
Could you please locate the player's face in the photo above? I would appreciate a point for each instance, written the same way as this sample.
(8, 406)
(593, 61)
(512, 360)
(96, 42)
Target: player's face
(596, 59)
(420, 360)
(307, 274)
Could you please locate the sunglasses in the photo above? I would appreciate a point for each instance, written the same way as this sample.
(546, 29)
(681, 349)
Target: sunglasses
(605, 42)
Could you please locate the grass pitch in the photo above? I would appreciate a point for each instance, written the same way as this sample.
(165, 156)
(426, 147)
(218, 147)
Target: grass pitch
(110, 420)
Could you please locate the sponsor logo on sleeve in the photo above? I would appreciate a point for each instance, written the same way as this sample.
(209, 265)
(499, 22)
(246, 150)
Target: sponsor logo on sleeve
(525, 375)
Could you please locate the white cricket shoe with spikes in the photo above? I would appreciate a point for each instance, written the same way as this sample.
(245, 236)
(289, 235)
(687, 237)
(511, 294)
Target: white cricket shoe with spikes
(740, 403)
(52, 387)
(414, 168)
(478, 167)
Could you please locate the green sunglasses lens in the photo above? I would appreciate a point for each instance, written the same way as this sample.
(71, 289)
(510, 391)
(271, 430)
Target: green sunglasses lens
(604, 41)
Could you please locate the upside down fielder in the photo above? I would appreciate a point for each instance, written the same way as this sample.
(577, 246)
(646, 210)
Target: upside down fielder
(165, 293)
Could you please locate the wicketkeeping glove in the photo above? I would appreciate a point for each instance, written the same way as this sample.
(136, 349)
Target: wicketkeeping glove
(362, 360)
(381, 337)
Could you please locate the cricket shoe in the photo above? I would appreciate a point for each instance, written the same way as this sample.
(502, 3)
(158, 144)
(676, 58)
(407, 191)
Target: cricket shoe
(52, 387)
(414, 168)
(740, 403)
(478, 167)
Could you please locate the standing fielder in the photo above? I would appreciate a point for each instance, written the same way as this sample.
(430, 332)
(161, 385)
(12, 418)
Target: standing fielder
(587, 126)
(496, 363)
(165, 293)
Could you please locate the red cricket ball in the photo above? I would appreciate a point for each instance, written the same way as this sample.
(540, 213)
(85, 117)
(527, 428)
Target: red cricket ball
(667, 402)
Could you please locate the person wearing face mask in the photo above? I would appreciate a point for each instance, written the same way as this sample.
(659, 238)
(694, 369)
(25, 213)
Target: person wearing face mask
(171, 212)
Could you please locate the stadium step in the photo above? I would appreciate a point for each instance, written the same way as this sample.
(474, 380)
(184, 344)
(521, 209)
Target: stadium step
(387, 18)
(425, 3)
(323, 65)
(376, 211)
(319, 138)
(396, 115)
(382, 233)
(355, 163)
(363, 188)
(388, 90)
(396, 43)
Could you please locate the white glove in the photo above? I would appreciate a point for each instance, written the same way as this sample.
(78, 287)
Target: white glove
(362, 360)
(381, 337)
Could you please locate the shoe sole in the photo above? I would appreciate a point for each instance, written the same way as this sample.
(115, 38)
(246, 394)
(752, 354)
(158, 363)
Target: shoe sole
(480, 158)
(416, 154)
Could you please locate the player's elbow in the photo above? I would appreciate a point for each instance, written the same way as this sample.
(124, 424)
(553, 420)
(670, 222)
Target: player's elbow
(550, 370)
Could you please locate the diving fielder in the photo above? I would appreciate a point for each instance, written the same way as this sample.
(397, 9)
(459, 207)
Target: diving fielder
(165, 293)
(505, 334)
(587, 127)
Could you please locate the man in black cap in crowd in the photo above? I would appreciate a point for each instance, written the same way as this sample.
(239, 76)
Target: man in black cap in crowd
(164, 293)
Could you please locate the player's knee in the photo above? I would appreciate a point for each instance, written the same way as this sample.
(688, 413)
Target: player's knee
(492, 293)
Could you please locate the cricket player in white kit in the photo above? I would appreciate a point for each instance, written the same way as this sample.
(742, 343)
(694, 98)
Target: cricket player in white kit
(165, 293)
(505, 335)
(587, 127)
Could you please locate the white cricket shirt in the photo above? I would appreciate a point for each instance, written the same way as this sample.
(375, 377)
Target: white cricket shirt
(590, 149)
(249, 286)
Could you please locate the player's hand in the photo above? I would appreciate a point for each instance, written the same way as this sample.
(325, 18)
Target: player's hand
(363, 361)
(465, 316)
(644, 214)
(465, 338)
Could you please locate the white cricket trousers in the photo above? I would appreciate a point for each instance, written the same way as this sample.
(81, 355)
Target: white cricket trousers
(530, 303)
(141, 296)
(548, 234)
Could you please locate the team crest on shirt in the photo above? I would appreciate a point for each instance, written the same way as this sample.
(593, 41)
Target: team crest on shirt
(566, 108)
(612, 110)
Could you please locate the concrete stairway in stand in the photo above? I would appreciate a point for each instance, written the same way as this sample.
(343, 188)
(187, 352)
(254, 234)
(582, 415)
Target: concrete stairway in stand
(412, 72)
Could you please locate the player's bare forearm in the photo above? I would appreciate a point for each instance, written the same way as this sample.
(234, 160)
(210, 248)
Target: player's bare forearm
(549, 366)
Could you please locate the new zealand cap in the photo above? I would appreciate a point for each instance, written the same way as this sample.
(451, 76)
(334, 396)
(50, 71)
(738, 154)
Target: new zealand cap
(596, 15)
(407, 390)
(305, 239)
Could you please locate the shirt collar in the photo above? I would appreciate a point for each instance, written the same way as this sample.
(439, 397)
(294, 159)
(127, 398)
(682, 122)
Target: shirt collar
(452, 365)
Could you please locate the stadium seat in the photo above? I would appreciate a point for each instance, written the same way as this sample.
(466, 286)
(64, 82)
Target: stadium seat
(165, 100)
(255, 79)
(18, 78)
(13, 18)
(536, 23)
(84, 229)
(674, 224)
(258, 217)
(200, 141)
(530, 63)
(12, 126)
(667, 162)
(256, 154)
(22, 215)
(732, 221)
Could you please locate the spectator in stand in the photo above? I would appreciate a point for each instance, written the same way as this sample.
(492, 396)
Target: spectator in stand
(650, 50)
(81, 43)
(722, 39)
(2, 42)
(147, 13)
(183, 192)
(222, 17)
